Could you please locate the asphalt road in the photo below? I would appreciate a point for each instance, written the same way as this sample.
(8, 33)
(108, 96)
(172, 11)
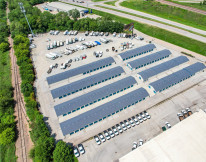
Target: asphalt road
(149, 22)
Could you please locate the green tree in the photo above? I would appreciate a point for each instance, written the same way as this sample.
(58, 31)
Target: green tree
(63, 153)
(7, 136)
(74, 13)
(44, 149)
(4, 47)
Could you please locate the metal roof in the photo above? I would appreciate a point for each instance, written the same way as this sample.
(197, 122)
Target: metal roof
(177, 76)
(79, 70)
(90, 97)
(148, 59)
(136, 51)
(146, 74)
(104, 110)
(74, 86)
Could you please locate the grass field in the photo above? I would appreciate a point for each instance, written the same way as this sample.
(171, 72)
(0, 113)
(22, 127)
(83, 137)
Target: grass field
(112, 3)
(168, 12)
(7, 153)
(150, 19)
(194, 5)
(162, 34)
(97, 0)
(165, 35)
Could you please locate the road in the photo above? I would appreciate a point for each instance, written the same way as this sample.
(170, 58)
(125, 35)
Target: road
(23, 141)
(146, 21)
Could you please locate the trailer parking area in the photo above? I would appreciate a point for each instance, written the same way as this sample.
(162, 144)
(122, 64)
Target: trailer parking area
(162, 106)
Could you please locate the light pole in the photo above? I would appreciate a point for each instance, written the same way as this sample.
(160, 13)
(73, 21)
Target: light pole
(24, 12)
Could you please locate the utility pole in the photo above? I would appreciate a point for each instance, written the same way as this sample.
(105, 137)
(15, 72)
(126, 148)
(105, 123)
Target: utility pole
(24, 12)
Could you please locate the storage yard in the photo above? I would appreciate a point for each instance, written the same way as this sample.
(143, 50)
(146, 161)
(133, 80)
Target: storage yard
(93, 82)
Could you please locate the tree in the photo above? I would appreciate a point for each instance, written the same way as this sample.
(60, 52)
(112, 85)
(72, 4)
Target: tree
(7, 136)
(44, 149)
(63, 153)
(74, 13)
(4, 47)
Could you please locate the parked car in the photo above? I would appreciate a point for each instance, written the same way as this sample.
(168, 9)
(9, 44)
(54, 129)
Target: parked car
(76, 152)
(132, 123)
(184, 113)
(111, 133)
(135, 120)
(115, 131)
(143, 116)
(134, 145)
(147, 115)
(106, 34)
(180, 115)
(101, 137)
(168, 124)
(140, 142)
(97, 140)
(119, 128)
(86, 33)
(123, 126)
(127, 124)
(189, 112)
(81, 148)
(107, 135)
(139, 118)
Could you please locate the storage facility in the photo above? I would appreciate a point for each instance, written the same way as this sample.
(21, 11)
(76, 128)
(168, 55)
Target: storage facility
(146, 74)
(176, 77)
(100, 113)
(94, 96)
(144, 61)
(81, 70)
(86, 82)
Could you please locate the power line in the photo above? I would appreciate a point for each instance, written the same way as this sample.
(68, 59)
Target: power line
(24, 12)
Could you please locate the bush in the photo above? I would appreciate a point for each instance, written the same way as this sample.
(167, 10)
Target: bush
(7, 136)
(4, 47)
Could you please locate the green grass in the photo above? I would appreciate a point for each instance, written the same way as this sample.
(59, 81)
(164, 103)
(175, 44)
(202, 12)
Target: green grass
(168, 12)
(97, 0)
(194, 5)
(150, 19)
(7, 153)
(176, 39)
(162, 34)
(112, 3)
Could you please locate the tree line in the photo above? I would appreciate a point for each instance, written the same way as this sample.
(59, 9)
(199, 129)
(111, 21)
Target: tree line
(7, 119)
(44, 145)
(45, 148)
(44, 22)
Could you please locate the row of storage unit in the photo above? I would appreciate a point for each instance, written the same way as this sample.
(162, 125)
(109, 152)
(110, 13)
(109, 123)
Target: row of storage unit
(86, 82)
(81, 70)
(137, 51)
(138, 63)
(100, 113)
(94, 96)
(176, 77)
(146, 74)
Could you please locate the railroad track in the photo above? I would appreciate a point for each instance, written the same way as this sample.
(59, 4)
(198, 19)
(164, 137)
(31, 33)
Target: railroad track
(20, 108)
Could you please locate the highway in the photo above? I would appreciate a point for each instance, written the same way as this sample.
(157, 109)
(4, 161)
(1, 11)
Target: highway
(146, 21)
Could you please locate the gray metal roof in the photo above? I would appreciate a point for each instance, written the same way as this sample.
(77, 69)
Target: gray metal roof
(90, 97)
(136, 51)
(74, 86)
(79, 70)
(146, 74)
(99, 112)
(148, 59)
(177, 76)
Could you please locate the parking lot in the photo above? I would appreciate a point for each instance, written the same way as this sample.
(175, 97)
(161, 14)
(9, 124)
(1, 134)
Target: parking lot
(162, 107)
(167, 111)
